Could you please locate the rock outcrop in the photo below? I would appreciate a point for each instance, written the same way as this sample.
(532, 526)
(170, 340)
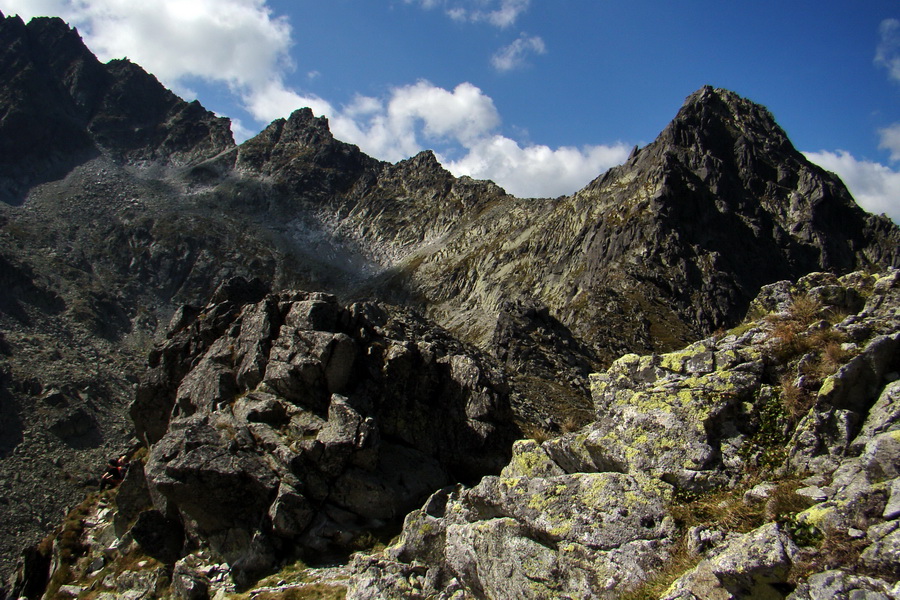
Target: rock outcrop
(287, 424)
(699, 457)
(696, 478)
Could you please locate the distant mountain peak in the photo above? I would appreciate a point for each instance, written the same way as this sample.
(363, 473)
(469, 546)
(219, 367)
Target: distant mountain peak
(70, 107)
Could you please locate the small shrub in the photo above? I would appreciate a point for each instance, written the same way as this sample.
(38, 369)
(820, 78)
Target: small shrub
(796, 401)
(572, 423)
(765, 450)
(537, 433)
(804, 310)
(833, 357)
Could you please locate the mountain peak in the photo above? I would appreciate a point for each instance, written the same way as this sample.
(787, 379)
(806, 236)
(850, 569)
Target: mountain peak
(714, 121)
(63, 106)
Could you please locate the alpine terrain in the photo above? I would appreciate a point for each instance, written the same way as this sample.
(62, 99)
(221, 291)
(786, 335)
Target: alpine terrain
(335, 377)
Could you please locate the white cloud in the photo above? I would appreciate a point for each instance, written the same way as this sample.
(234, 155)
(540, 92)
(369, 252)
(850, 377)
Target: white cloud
(513, 56)
(537, 170)
(499, 13)
(425, 3)
(463, 114)
(414, 115)
(874, 186)
(273, 100)
(890, 140)
(887, 54)
(464, 122)
(240, 132)
(506, 14)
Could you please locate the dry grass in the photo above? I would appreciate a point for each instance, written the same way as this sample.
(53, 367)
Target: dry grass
(833, 357)
(796, 401)
(836, 550)
(724, 510)
(680, 562)
(805, 310)
(311, 591)
(537, 433)
(571, 424)
(787, 328)
(70, 546)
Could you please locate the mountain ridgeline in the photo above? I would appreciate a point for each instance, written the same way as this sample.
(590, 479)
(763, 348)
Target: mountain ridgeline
(122, 205)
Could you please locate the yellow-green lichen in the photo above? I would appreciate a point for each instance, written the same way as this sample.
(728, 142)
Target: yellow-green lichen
(815, 515)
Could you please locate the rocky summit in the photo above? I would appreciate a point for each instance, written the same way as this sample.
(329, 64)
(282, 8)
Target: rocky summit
(340, 377)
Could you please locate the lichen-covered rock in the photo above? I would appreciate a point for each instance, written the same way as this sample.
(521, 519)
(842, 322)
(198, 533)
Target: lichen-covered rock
(749, 567)
(590, 513)
(677, 417)
(837, 584)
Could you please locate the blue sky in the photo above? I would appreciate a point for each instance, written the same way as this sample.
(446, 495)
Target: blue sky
(539, 95)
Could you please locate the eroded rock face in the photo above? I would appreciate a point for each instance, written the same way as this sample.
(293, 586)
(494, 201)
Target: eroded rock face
(286, 421)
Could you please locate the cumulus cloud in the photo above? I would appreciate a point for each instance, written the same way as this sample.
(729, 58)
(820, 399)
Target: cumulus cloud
(537, 170)
(887, 54)
(499, 13)
(513, 56)
(464, 122)
(272, 100)
(890, 140)
(874, 186)
(414, 115)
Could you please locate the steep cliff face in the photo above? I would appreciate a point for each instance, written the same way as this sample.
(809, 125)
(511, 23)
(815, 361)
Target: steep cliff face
(284, 425)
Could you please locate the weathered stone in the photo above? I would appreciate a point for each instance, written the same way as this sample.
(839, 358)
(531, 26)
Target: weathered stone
(499, 559)
(745, 569)
(881, 457)
(842, 584)
(892, 509)
(883, 416)
(530, 460)
(258, 407)
(132, 497)
(189, 583)
(319, 313)
(884, 555)
(291, 512)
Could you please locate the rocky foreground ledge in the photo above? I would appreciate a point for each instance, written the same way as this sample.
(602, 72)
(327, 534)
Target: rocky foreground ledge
(761, 462)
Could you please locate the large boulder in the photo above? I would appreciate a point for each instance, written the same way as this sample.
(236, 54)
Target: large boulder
(288, 424)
